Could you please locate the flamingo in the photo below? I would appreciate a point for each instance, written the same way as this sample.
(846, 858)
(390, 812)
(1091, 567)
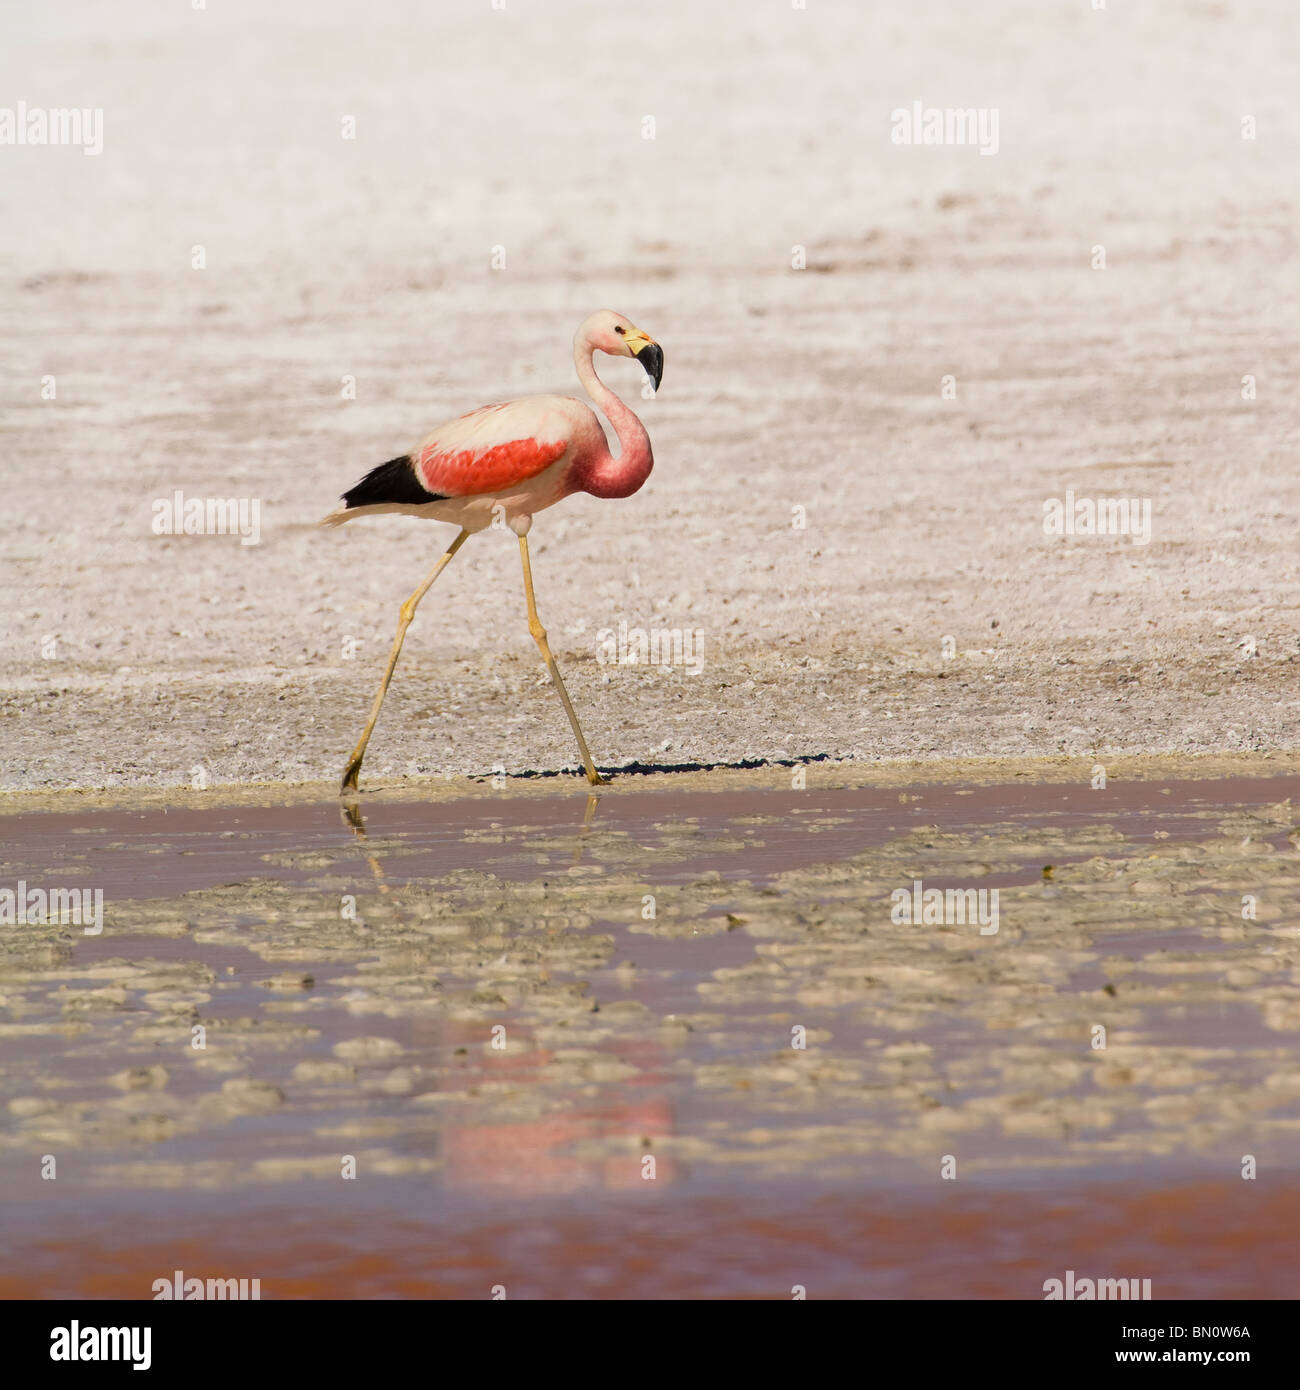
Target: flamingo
(509, 461)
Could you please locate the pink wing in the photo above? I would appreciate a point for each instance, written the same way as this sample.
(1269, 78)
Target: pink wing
(486, 451)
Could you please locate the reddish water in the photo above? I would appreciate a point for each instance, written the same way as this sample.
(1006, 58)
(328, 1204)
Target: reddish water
(1193, 1239)
(511, 1204)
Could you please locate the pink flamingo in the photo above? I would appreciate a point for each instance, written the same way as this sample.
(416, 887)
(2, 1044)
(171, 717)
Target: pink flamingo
(509, 461)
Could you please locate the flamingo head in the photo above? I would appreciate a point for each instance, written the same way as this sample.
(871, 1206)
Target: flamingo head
(620, 337)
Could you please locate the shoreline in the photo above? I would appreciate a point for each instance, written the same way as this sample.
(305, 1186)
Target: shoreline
(819, 774)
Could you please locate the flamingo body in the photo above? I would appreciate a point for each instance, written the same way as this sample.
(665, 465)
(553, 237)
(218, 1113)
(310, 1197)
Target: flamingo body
(470, 455)
(522, 455)
(512, 460)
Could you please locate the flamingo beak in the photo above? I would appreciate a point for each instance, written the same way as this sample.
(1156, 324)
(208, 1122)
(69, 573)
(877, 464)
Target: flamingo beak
(651, 358)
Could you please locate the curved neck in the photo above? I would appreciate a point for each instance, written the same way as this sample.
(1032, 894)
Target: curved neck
(609, 476)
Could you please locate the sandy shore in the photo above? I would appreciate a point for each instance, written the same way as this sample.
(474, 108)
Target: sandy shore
(920, 611)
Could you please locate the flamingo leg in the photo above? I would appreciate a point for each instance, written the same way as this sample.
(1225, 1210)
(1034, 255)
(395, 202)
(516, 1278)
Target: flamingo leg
(539, 636)
(349, 783)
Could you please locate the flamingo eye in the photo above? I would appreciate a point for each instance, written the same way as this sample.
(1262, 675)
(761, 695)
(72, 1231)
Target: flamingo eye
(619, 330)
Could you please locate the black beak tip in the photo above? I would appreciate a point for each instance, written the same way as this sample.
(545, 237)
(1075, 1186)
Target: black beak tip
(651, 357)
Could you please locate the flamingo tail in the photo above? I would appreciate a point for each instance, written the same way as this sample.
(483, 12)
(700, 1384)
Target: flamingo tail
(389, 485)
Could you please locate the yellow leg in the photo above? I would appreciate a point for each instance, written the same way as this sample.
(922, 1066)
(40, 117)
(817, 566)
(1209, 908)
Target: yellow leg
(539, 636)
(349, 783)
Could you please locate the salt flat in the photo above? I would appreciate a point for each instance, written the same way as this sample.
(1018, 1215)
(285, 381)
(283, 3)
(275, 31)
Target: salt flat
(790, 396)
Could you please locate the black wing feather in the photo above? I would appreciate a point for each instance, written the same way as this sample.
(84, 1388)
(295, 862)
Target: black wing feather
(391, 482)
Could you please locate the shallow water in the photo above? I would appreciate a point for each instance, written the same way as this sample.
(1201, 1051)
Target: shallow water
(642, 1121)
